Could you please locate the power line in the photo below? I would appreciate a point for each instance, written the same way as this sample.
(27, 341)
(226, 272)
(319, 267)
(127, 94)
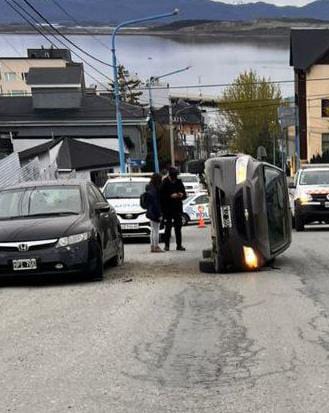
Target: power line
(65, 37)
(78, 23)
(36, 28)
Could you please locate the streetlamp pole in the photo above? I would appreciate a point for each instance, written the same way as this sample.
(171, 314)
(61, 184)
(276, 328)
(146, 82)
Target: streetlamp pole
(151, 82)
(116, 82)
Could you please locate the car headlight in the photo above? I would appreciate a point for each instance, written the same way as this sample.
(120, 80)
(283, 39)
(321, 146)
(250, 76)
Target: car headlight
(250, 258)
(73, 239)
(305, 198)
(241, 169)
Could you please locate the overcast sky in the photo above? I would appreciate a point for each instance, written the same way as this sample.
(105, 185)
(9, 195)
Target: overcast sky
(277, 2)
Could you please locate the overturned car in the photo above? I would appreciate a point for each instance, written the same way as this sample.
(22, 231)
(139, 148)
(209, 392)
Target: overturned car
(250, 214)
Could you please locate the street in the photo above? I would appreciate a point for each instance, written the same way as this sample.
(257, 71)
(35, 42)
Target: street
(158, 336)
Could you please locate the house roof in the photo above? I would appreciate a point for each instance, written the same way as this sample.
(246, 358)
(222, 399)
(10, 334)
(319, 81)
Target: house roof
(185, 112)
(19, 109)
(74, 154)
(307, 46)
(55, 75)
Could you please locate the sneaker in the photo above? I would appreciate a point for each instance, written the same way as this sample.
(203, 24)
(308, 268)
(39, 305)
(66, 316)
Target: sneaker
(181, 248)
(158, 249)
(166, 248)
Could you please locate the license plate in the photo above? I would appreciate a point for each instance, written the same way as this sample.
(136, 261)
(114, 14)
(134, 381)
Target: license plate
(226, 216)
(326, 204)
(25, 265)
(129, 226)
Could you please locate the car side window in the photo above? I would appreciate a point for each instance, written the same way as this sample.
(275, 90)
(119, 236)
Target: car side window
(99, 196)
(91, 198)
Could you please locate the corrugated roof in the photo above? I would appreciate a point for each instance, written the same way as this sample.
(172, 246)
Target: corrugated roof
(307, 46)
(20, 109)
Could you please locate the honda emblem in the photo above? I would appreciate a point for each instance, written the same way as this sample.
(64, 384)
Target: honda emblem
(23, 247)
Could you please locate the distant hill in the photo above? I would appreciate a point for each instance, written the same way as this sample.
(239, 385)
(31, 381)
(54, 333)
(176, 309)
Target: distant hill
(109, 12)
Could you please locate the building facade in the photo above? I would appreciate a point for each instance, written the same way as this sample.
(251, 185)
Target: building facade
(309, 56)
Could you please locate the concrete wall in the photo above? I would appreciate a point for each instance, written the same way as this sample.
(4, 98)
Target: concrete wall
(316, 90)
(21, 66)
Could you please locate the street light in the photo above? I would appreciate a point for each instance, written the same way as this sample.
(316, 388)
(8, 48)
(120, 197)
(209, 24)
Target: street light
(116, 83)
(151, 83)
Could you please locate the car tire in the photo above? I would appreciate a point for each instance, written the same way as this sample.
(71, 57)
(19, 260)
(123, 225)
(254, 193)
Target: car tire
(207, 266)
(299, 223)
(118, 259)
(293, 224)
(206, 254)
(97, 274)
(185, 219)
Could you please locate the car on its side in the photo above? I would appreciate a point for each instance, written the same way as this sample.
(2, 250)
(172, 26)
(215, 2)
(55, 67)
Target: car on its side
(191, 182)
(193, 206)
(311, 195)
(57, 227)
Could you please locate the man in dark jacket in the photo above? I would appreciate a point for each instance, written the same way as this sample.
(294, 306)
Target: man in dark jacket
(172, 194)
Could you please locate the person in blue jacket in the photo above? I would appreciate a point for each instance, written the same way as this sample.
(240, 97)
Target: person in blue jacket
(153, 212)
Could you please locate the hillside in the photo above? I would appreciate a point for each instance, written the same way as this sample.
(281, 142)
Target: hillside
(109, 12)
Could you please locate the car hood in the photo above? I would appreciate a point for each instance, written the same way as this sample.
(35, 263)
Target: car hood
(126, 206)
(37, 229)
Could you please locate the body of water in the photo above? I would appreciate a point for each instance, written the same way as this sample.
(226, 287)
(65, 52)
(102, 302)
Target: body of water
(212, 61)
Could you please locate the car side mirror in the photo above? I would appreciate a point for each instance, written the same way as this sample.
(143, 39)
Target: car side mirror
(102, 207)
(291, 185)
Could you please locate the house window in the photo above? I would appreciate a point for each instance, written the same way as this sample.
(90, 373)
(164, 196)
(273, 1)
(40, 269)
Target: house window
(325, 108)
(325, 142)
(10, 76)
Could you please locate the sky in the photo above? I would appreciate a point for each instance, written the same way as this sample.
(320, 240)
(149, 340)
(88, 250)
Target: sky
(277, 2)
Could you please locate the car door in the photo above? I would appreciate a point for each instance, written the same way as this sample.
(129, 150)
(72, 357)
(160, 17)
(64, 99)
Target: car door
(101, 221)
(112, 223)
(201, 205)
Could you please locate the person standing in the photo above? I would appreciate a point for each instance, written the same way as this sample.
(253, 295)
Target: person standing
(153, 212)
(172, 194)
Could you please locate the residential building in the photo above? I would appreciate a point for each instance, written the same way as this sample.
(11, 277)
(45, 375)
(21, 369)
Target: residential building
(59, 107)
(309, 56)
(70, 157)
(13, 70)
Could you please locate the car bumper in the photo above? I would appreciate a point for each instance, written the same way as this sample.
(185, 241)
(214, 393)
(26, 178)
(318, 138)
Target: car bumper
(69, 260)
(313, 212)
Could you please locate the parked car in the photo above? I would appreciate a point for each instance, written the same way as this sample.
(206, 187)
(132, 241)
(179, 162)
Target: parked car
(192, 207)
(250, 214)
(56, 227)
(310, 195)
(123, 193)
(191, 182)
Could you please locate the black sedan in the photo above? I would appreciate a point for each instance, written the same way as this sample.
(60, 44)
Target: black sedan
(56, 227)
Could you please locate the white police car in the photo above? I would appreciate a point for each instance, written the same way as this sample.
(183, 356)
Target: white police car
(194, 205)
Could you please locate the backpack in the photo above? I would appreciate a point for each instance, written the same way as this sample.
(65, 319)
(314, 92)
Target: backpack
(143, 201)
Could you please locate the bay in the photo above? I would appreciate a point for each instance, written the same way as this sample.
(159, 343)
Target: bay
(213, 61)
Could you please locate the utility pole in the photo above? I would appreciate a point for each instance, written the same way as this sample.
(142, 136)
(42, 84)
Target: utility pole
(171, 129)
(153, 127)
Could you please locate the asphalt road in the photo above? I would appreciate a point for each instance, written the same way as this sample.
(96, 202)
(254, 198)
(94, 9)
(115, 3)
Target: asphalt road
(157, 336)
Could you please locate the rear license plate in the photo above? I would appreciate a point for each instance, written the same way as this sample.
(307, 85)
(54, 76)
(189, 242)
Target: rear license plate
(129, 226)
(25, 265)
(326, 204)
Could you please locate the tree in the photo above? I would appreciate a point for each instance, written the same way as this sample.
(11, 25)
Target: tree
(250, 109)
(128, 86)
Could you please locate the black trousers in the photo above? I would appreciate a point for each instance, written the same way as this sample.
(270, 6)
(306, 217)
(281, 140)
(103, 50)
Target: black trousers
(176, 222)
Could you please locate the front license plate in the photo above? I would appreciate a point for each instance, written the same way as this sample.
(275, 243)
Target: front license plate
(129, 226)
(25, 265)
(326, 204)
(226, 216)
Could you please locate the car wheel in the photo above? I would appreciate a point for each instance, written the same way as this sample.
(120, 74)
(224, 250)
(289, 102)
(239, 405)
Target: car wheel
(299, 223)
(185, 219)
(97, 272)
(119, 258)
(207, 266)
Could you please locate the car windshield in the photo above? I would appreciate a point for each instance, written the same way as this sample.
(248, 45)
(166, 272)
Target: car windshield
(314, 178)
(124, 190)
(40, 201)
(189, 179)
